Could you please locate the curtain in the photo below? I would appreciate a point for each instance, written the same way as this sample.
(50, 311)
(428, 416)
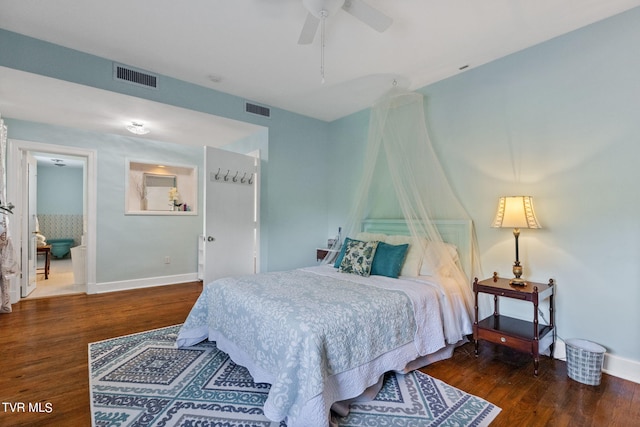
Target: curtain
(8, 261)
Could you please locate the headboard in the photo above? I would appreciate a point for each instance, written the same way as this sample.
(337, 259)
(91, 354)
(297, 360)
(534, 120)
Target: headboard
(456, 232)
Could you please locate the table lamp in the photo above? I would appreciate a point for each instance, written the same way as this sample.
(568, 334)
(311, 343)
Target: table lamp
(516, 212)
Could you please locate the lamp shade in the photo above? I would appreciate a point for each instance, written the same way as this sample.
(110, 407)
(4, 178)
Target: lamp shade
(515, 212)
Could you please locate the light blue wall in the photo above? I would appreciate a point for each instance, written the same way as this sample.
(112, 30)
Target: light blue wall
(60, 190)
(128, 246)
(346, 158)
(561, 122)
(294, 208)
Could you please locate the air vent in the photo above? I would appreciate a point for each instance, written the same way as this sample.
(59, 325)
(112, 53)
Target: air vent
(257, 109)
(131, 75)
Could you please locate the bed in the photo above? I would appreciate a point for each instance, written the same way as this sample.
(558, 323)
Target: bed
(322, 337)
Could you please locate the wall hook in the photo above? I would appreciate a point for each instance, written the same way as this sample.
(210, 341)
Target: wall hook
(226, 177)
(243, 179)
(235, 178)
(217, 176)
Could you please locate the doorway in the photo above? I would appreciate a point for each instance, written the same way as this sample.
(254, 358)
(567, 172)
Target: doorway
(59, 192)
(64, 224)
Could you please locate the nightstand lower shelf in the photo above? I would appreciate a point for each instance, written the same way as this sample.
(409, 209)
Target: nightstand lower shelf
(514, 333)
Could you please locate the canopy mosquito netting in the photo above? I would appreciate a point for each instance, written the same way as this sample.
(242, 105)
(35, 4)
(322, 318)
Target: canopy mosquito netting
(402, 178)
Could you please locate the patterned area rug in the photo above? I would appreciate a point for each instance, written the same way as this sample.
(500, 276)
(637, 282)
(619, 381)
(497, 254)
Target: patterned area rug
(142, 380)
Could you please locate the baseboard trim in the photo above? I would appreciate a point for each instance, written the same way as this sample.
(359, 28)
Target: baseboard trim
(617, 366)
(148, 282)
(626, 369)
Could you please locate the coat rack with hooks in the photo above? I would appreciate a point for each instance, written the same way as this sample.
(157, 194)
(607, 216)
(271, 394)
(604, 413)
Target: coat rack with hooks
(237, 177)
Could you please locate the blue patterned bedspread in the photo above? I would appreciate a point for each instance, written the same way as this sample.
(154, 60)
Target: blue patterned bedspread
(302, 327)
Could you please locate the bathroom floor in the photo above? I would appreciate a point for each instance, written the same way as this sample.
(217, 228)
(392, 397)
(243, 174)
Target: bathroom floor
(60, 280)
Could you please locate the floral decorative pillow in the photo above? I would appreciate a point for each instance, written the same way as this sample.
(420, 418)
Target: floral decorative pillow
(358, 257)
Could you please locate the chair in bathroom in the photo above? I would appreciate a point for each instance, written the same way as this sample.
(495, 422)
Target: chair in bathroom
(46, 251)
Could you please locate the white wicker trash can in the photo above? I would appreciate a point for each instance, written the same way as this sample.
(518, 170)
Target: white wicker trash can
(584, 361)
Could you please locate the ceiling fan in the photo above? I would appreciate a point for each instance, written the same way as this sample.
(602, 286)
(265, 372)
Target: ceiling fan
(319, 10)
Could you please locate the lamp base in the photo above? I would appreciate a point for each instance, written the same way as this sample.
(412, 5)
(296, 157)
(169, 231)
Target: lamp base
(518, 282)
(517, 272)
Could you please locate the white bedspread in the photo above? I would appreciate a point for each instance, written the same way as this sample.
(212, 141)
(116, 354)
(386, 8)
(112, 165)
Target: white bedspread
(316, 335)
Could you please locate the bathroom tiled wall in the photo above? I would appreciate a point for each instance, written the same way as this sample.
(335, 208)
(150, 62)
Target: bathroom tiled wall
(61, 227)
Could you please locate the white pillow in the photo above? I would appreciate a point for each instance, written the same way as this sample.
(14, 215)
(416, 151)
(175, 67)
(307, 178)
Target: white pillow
(432, 264)
(411, 266)
(363, 236)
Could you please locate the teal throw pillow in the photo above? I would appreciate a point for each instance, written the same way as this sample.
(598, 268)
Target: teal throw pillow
(389, 260)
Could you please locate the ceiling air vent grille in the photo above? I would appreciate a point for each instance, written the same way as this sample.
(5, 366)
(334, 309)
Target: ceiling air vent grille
(257, 109)
(127, 74)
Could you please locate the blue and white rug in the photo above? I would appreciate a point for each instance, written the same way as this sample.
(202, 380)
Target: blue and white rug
(142, 380)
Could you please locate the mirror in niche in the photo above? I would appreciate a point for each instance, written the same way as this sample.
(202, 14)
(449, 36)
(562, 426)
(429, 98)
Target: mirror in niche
(157, 189)
(161, 189)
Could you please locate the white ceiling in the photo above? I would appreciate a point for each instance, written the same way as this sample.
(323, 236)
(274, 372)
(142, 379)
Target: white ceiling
(41, 99)
(251, 47)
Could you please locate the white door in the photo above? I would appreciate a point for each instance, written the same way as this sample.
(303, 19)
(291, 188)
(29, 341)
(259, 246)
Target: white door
(231, 214)
(29, 257)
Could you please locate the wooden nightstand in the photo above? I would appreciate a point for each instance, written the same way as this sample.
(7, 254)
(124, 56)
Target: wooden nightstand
(321, 253)
(521, 335)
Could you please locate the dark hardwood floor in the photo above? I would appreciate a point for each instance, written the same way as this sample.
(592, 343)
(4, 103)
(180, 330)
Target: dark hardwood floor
(44, 347)
(43, 360)
(505, 378)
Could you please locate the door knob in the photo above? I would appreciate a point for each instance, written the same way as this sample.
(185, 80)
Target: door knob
(210, 239)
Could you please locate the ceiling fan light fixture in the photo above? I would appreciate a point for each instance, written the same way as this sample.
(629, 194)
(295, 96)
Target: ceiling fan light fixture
(322, 8)
(137, 128)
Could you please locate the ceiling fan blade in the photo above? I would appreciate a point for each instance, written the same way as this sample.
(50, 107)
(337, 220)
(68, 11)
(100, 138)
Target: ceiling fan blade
(367, 14)
(309, 29)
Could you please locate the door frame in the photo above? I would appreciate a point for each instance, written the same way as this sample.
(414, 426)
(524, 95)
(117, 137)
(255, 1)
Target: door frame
(29, 258)
(16, 184)
(256, 154)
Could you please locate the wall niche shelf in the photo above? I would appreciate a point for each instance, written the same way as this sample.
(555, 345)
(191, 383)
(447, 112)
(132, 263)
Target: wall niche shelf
(156, 188)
